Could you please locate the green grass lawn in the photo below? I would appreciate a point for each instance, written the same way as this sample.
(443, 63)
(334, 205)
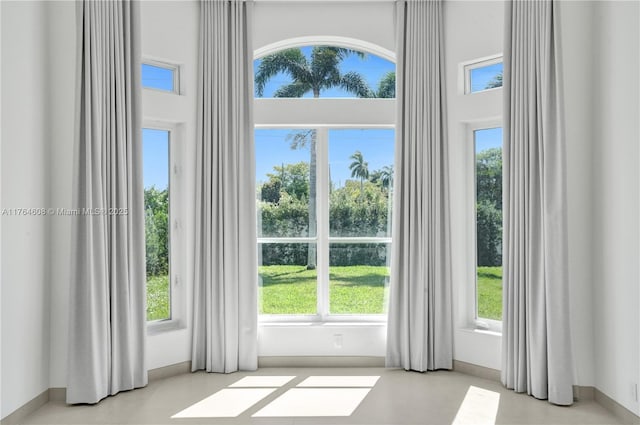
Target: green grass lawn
(490, 292)
(292, 290)
(352, 290)
(157, 297)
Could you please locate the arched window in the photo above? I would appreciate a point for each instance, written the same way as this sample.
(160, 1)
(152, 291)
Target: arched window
(324, 118)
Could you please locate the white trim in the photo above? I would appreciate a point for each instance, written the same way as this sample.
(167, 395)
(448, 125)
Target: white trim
(324, 113)
(474, 321)
(326, 40)
(177, 295)
(322, 221)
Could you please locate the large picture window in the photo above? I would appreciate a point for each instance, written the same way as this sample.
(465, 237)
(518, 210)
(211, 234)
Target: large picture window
(324, 236)
(324, 189)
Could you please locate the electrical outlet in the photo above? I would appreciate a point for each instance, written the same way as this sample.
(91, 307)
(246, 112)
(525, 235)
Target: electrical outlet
(337, 340)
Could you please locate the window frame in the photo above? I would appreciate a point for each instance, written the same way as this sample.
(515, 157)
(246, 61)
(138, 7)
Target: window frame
(177, 301)
(173, 67)
(477, 322)
(468, 66)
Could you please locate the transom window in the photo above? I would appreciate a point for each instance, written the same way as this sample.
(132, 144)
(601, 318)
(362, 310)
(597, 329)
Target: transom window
(483, 75)
(324, 184)
(161, 76)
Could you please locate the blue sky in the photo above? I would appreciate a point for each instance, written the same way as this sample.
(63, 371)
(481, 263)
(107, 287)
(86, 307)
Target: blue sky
(157, 78)
(155, 158)
(376, 146)
(488, 138)
(481, 76)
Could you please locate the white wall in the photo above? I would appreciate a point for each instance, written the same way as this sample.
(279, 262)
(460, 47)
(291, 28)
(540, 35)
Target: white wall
(473, 30)
(170, 34)
(25, 164)
(61, 106)
(575, 57)
(615, 202)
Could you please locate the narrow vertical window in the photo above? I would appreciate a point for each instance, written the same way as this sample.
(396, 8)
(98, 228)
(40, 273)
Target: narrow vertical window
(156, 204)
(488, 154)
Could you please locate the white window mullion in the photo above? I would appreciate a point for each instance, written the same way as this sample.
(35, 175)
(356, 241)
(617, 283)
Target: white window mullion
(322, 211)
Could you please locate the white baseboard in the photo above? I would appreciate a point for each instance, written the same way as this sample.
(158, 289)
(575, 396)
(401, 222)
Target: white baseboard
(26, 409)
(320, 361)
(622, 413)
(475, 370)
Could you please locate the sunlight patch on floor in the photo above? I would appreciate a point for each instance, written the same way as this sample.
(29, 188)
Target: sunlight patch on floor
(479, 407)
(262, 381)
(227, 403)
(339, 381)
(307, 402)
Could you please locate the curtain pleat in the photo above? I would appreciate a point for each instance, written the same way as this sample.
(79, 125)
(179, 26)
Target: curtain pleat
(536, 344)
(107, 319)
(419, 335)
(225, 292)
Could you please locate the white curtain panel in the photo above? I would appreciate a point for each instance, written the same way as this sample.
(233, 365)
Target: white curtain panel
(107, 320)
(536, 344)
(225, 293)
(419, 333)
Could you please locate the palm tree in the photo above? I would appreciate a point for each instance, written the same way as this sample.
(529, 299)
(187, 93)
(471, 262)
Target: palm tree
(359, 169)
(382, 177)
(386, 86)
(320, 72)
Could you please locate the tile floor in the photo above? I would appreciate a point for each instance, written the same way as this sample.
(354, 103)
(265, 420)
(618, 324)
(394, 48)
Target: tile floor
(286, 396)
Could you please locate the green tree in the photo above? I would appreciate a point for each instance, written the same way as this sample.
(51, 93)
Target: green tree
(489, 234)
(386, 86)
(157, 231)
(359, 169)
(489, 176)
(320, 72)
(494, 82)
(382, 177)
(489, 207)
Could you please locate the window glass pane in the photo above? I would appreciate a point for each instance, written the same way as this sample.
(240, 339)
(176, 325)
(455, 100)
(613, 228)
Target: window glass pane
(486, 77)
(287, 285)
(488, 144)
(361, 174)
(156, 203)
(156, 77)
(286, 184)
(358, 278)
(324, 71)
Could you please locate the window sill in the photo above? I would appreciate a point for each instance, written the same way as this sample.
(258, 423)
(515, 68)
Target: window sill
(327, 324)
(158, 327)
(482, 331)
